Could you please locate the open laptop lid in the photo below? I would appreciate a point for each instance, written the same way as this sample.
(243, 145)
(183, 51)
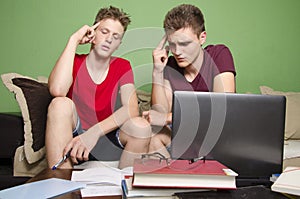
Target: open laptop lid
(243, 131)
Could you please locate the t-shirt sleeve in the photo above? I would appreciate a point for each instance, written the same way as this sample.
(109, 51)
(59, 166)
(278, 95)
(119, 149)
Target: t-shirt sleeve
(222, 58)
(78, 60)
(127, 74)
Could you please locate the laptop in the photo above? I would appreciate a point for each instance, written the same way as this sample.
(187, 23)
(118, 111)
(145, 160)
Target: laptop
(245, 132)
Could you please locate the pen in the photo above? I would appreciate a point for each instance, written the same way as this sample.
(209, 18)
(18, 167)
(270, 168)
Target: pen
(61, 161)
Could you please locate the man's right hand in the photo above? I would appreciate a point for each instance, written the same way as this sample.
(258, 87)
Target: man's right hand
(160, 55)
(155, 118)
(86, 34)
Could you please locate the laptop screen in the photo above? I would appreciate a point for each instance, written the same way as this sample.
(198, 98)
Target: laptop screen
(245, 132)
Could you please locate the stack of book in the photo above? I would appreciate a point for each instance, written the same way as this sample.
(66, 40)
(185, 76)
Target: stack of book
(155, 178)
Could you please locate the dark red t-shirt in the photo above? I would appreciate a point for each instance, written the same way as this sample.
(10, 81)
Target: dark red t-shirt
(217, 59)
(95, 102)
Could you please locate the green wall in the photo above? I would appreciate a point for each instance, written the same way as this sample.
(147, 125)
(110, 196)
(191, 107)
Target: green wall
(262, 35)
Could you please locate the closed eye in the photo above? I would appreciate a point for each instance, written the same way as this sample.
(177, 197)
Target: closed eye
(117, 36)
(184, 43)
(104, 31)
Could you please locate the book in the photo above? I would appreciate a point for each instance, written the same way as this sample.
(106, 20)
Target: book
(249, 192)
(209, 174)
(134, 192)
(288, 181)
(48, 188)
(101, 181)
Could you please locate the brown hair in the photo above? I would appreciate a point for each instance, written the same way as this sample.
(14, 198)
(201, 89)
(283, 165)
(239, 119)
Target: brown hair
(113, 13)
(185, 16)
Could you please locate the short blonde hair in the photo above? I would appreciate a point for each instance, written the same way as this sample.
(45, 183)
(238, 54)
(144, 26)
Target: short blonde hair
(113, 13)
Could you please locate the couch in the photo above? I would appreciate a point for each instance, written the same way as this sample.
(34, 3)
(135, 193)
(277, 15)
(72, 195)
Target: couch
(33, 98)
(11, 136)
(292, 126)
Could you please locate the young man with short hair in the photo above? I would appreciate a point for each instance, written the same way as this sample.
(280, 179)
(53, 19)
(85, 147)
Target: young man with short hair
(191, 68)
(85, 88)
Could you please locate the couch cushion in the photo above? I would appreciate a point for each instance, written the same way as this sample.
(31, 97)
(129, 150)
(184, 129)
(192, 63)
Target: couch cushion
(292, 124)
(33, 98)
(144, 100)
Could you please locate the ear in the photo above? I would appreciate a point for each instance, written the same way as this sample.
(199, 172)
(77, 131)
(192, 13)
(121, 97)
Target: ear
(202, 37)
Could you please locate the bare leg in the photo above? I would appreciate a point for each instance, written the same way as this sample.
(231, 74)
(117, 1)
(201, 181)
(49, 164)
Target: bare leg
(135, 136)
(60, 124)
(159, 141)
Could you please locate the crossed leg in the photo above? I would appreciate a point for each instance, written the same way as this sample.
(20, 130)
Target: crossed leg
(160, 141)
(135, 136)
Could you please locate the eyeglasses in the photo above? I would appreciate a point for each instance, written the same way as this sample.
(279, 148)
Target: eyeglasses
(155, 155)
(159, 160)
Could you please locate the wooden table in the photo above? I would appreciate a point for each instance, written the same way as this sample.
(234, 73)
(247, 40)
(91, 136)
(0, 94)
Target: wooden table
(64, 174)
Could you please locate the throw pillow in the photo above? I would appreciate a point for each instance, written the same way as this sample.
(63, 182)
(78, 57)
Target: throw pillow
(33, 98)
(292, 115)
(144, 100)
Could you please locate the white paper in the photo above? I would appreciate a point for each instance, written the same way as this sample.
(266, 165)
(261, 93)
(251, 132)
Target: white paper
(91, 191)
(101, 181)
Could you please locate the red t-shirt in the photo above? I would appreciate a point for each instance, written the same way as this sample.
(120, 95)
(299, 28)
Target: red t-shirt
(95, 102)
(217, 59)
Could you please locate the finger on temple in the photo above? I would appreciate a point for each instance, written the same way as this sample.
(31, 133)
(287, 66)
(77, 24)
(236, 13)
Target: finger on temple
(167, 49)
(162, 42)
(96, 25)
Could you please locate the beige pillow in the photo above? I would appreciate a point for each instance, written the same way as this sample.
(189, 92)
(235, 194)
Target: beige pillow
(292, 119)
(33, 98)
(144, 100)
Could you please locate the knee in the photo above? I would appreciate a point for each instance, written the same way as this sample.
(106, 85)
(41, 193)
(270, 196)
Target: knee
(137, 128)
(60, 105)
(161, 138)
(156, 141)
